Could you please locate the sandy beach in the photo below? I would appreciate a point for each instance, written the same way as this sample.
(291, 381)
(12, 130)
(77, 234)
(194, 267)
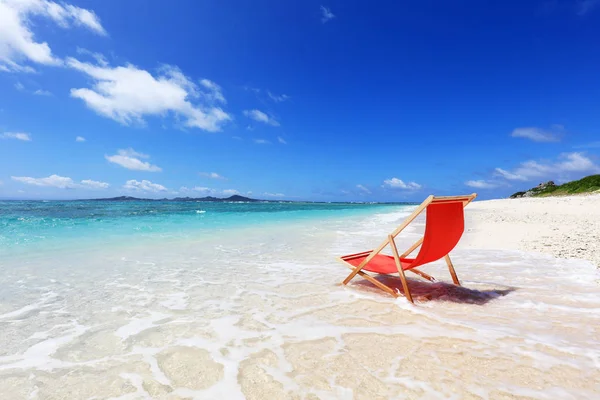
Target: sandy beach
(259, 313)
(288, 200)
(565, 227)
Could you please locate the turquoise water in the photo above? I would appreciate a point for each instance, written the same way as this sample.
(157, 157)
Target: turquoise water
(26, 226)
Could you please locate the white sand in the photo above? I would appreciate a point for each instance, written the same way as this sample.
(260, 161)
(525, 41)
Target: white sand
(565, 227)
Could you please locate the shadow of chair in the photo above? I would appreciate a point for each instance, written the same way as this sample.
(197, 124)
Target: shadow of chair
(437, 291)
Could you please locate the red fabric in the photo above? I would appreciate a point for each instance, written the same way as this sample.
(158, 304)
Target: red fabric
(444, 227)
(381, 263)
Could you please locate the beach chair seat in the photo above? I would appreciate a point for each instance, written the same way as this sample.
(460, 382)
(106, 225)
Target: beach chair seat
(444, 226)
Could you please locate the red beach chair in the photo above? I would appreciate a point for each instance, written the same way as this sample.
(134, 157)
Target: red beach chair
(444, 227)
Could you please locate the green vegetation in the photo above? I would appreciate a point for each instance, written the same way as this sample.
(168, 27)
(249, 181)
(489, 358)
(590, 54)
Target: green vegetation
(517, 195)
(588, 184)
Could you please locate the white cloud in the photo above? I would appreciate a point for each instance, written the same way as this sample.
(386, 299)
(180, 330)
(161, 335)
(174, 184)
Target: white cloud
(211, 175)
(99, 57)
(200, 189)
(281, 140)
(260, 116)
(326, 14)
(396, 183)
(591, 145)
(127, 94)
(575, 162)
(261, 141)
(539, 134)
(278, 98)
(61, 182)
(57, 181)
(266, 194)
(363, 189)
(130, 159)
(80, 139)
(88, 183)
(16, 135)
(481, 184)
(214, 93)
(252, 89)
(566, 165)
(205, 191)
(17, 42)
(40, 92)
(508, 175)
(144, 186)
(79, 16)
(585, 6)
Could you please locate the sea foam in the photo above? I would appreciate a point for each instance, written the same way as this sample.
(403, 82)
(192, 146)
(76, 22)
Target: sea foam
(260, 313)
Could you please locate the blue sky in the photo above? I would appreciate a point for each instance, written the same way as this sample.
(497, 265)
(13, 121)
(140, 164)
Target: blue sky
(305, 100)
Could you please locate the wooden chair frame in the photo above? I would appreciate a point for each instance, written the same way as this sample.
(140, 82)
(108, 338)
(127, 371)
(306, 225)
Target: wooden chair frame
(390, 240)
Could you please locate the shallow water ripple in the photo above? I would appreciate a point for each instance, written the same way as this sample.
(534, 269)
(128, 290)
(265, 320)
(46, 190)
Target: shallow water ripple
(262, 315)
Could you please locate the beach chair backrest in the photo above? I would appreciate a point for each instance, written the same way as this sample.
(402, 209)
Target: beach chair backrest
(444, 226)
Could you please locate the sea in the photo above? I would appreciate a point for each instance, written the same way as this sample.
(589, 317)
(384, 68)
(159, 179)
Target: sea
(213, 300)
(64, 225)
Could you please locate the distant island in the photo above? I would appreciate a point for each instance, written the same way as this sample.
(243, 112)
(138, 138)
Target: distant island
(234, 198)
(231, 199)
(240, 199)
(589, 184)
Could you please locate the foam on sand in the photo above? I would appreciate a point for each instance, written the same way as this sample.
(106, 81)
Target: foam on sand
(263, 315)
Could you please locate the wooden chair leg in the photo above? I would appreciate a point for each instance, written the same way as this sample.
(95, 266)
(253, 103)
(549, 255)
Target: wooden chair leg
(405, 285)
(400, 270)
(422, 274)
(452, 271)
(376, 282)
(356, 270)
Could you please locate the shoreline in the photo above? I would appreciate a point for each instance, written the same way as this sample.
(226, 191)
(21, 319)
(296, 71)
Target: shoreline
(566, 227)
(124, 242)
